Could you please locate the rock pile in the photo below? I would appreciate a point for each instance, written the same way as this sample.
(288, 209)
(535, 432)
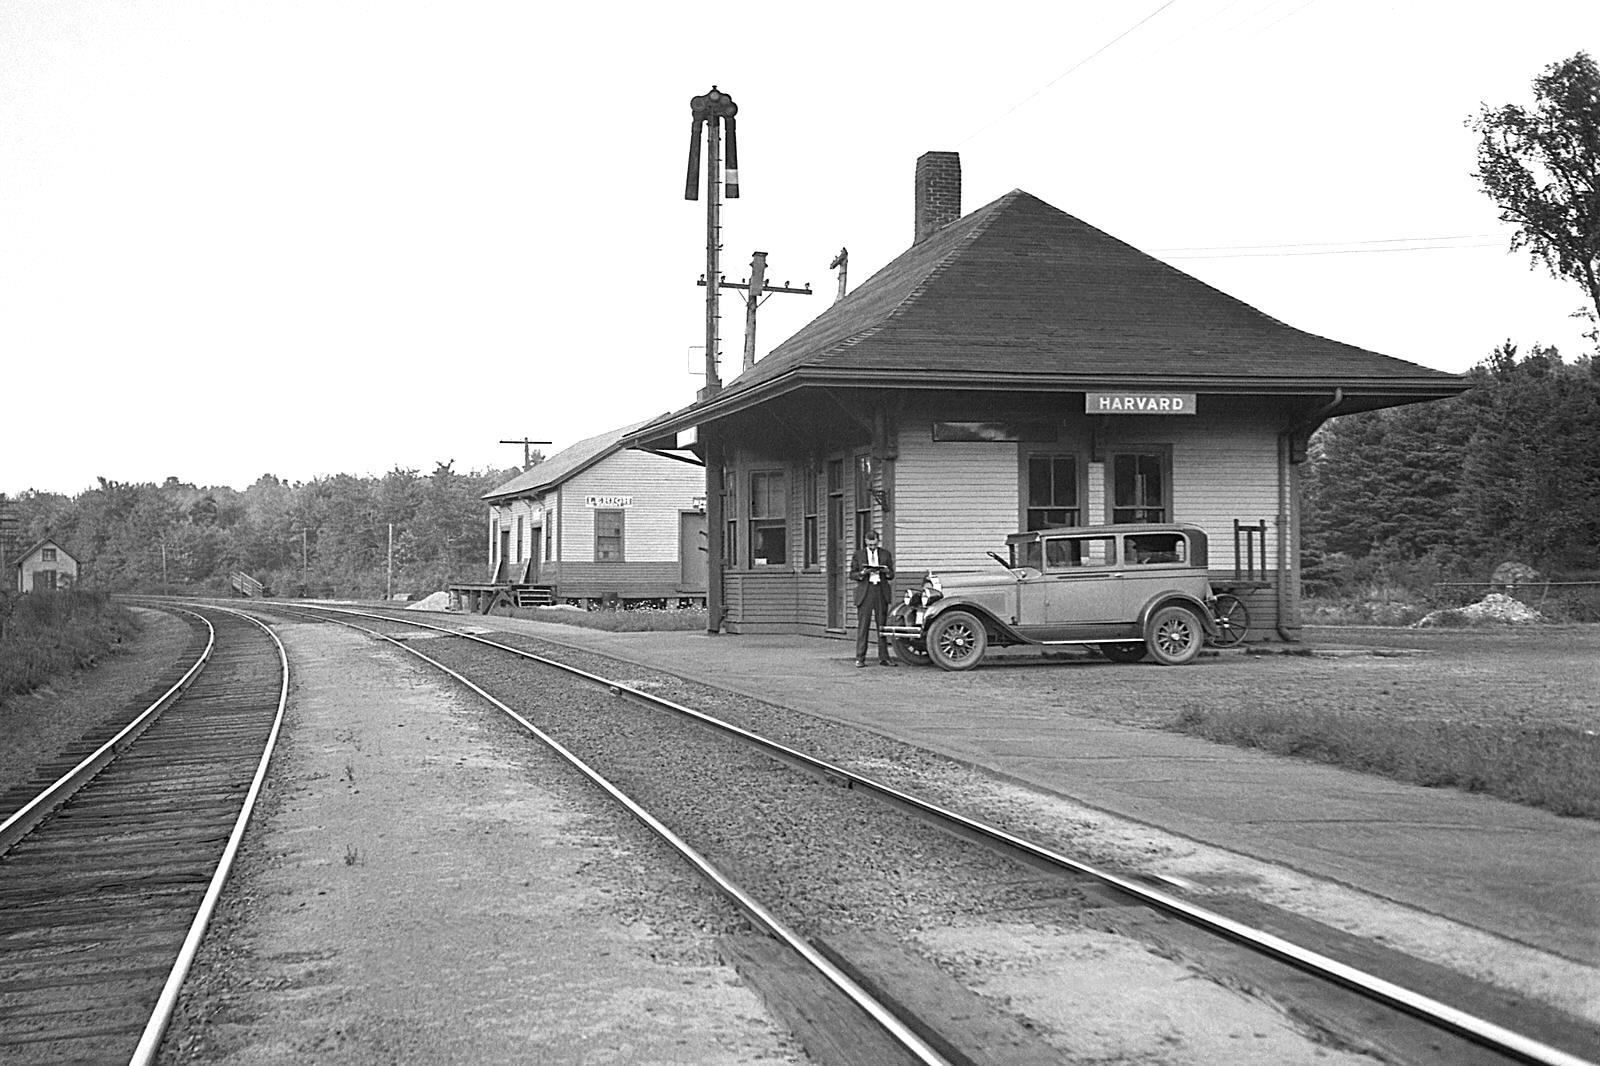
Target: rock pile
(436, 601)
(1494, 609)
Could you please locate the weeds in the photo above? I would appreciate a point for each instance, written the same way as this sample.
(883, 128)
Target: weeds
(1556, 767)
(44, 635)
(352, 855)
(632, 620)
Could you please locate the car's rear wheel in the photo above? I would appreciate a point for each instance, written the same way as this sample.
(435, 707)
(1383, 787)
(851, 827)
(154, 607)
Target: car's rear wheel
(1174, 635)
(910, 651)
(1131, 652)
(956, 641)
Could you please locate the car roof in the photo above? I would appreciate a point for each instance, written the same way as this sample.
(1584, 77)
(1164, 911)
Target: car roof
(1106, 531)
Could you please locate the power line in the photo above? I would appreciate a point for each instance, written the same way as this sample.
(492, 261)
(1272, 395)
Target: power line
(1330, 244)
(1046, 87)
(1335, 251)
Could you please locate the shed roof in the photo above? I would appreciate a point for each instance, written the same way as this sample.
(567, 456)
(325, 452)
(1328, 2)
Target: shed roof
(22, 556)
(1021, 294)
(563, 465)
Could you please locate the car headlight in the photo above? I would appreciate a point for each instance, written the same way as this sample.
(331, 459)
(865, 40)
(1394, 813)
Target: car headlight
(932, 588)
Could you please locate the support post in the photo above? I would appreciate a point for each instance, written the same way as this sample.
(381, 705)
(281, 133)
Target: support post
(714, 529)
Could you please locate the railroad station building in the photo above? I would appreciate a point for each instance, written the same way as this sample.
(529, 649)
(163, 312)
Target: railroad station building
(45, 567)
(1017, 368)
(596, 523)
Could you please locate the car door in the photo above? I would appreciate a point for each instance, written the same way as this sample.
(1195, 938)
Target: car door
(1079, 595)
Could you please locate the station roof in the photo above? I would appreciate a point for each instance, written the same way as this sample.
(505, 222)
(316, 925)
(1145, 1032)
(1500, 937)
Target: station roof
(1020, 295)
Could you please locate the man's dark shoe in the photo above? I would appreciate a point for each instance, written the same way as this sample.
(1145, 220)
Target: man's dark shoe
(861, 662)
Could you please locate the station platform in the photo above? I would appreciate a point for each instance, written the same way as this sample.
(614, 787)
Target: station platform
(1511, 871)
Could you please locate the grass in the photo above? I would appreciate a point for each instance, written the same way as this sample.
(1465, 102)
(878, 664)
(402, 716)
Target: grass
(46, 635)
(632, 620)
(1551, 765)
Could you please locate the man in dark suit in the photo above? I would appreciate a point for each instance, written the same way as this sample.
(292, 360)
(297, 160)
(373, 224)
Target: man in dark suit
(872, 569)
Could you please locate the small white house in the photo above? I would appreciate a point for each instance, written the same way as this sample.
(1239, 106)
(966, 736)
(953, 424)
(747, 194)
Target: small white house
(45, 567)
(593, 523)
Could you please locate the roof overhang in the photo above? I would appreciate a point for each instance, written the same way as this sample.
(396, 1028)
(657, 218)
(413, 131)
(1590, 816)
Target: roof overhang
(1356, 393)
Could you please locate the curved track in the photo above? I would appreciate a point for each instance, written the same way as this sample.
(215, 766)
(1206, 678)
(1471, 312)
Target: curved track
(1496, 1040)
(108, 877)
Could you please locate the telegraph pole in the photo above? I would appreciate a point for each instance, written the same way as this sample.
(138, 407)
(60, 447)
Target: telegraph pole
(756, 286)
(527, 456)
(841, 263)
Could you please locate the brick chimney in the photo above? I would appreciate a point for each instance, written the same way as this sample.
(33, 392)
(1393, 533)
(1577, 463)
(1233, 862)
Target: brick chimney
(938, 192)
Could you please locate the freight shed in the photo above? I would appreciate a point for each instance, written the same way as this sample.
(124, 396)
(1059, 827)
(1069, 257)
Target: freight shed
(595, 524)
(1017, 369)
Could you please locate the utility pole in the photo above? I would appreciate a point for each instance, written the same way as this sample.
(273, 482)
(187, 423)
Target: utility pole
(711, 111)
(527, 455)
(389, 594)
(756, 286)
(841, 262)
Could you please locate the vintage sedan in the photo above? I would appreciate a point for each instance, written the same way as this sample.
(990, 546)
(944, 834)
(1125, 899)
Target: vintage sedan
(1132, 591)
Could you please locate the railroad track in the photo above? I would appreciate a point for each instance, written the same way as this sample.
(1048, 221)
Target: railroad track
(109, 875)
(1397, 1021)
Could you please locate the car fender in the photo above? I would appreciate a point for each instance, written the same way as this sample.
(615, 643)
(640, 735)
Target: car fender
(1179, 599)
(1006, 634)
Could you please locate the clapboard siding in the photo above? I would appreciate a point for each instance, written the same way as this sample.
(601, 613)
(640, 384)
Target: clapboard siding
(630, 580)
(661, 489)
(953, 502)
(762, 601)
(1222, 473)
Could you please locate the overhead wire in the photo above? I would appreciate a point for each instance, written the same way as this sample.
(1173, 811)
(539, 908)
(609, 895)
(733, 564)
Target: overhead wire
(1413, 244)
(1049, 84)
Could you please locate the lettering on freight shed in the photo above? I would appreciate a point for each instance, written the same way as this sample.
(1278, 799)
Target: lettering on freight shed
(1138, 403)
(608, 502)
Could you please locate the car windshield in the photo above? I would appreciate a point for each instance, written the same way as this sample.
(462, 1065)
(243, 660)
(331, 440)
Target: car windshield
(1028, 553)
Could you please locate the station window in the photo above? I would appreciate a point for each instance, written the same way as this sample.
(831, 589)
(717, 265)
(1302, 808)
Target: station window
(730, 507)
(813, 503)
(518, 556)
(769, 509)
(608, 526)
(549, 536)
(1140, 484)
(863, 498)
(47, 555)
(1052, 492)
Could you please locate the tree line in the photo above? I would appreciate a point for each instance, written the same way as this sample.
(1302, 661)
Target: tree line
(329, 536)
(1447, 490)
(1506, 472)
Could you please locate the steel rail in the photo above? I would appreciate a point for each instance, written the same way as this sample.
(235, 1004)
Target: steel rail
(1498, 1038)
(167, 1002)
(749, 905)
(21, 823)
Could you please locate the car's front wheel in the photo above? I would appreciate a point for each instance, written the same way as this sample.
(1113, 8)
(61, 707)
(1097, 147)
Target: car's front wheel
(956, 641)
(1174, 636)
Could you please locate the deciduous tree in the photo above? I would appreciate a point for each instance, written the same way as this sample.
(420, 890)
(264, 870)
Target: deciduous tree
(1542, 168)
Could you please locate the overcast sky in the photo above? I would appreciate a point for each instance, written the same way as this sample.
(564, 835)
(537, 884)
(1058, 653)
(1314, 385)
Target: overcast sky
(309, 237)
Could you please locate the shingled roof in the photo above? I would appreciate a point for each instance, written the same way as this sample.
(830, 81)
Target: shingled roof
(1019, 294)
(563, 465)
